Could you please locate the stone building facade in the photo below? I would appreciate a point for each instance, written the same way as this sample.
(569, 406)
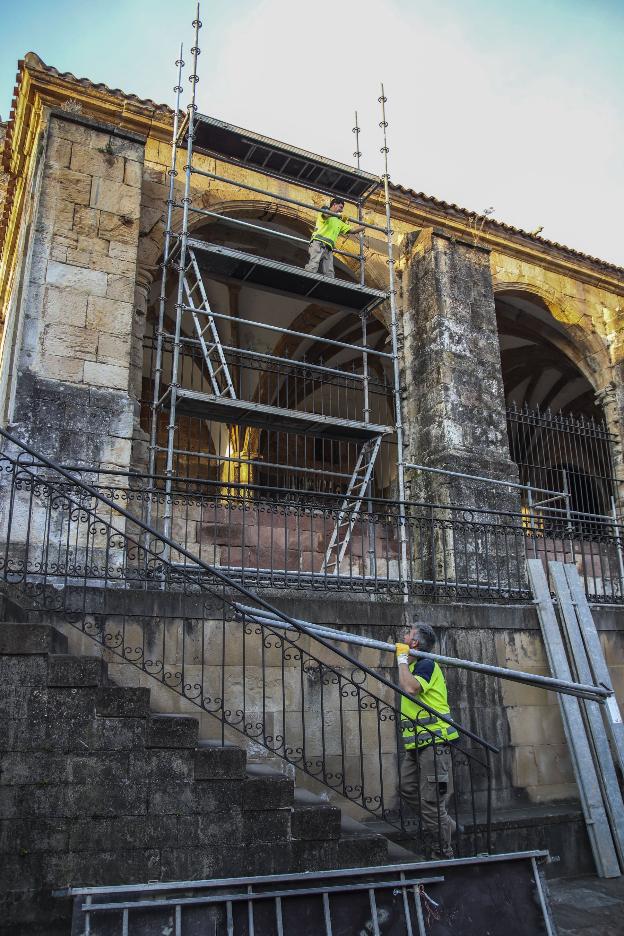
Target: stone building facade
(82, 202)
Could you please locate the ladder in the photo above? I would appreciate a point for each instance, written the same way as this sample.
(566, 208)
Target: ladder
(208, 335)
(351, 505)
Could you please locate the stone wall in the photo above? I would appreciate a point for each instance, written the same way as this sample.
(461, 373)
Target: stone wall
(71, 390)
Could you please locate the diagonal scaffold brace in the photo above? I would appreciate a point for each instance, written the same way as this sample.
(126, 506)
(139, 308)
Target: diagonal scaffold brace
(567, 687)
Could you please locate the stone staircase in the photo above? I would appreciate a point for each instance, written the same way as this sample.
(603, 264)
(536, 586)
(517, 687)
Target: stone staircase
(97, 789)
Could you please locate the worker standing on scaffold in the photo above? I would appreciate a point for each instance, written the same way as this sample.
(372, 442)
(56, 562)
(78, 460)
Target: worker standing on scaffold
(427, 768)
(326, 232)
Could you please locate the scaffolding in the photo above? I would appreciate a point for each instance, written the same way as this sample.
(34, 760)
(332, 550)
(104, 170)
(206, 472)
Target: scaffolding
(227, 395)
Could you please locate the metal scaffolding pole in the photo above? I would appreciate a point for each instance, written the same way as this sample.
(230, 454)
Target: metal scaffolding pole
(162, 301)
(394, 336)
(567, 687)
(171, 428)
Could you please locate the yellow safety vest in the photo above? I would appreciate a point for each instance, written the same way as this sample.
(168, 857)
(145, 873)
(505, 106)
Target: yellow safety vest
(427, 727)
(327, 230)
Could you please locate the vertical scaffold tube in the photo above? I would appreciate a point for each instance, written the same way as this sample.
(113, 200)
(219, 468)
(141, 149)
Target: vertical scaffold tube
(162, 300)
(179, 308)
(394, 336)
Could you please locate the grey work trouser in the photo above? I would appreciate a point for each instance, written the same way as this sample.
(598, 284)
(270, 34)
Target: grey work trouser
(321, 259)
(426, 784)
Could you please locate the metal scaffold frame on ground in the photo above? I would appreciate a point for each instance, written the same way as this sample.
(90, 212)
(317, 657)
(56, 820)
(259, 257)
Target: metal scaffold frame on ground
(195, 259)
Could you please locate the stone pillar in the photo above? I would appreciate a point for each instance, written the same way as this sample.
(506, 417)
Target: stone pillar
(72, 390)
(454, 409)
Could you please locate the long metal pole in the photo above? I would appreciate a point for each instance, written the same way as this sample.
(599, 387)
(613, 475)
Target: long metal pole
(162, 301)
(394, 335)
(171, 429)
(583, 690)
(471, 477)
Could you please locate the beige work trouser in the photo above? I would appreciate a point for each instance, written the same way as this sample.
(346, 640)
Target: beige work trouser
(321, 259)
(426, 784)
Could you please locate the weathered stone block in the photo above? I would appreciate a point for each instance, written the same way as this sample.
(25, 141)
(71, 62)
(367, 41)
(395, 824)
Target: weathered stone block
(215, 762)
(69, 341)
(267, 792)
(122, 229)
(19, 638)
(105, 375)
(109, 315)
(93, 282)
(197, 797)
(172, 731)
(114, 197)
(75, 186)
(76, 671)
(23, 670)
(133, 173)
(97, 162)
(315, 822)
(62, 368)
(119, 287)
(113, 350)
(121, 702)
(64, 306)
(58, 152)
(86, 221)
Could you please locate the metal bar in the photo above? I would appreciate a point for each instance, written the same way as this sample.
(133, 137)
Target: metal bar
(605, 770)
(422, 931)
(589, 789)
(406, 908)
(542, 899)
(297, 334)
(471, 477)
(394, 335)
(327, 914)
(252, 896)
(282, 198)
(162, 299)
(545, 682)
(411, 866)
(265, 230)
(597, 662)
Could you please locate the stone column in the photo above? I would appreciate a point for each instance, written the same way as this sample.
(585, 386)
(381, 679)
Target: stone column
(454, 409)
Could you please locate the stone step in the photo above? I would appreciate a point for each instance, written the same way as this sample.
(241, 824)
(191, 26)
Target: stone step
(18, 639)
(216, 761)
(172, 731)
(75, 671)
(313, 817)
(267, 788)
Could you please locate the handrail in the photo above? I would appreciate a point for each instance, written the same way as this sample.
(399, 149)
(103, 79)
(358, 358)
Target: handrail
(227, 581)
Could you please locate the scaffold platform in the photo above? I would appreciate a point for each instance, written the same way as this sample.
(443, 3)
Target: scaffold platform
(215, 260)
(271, 157)
(227, 410)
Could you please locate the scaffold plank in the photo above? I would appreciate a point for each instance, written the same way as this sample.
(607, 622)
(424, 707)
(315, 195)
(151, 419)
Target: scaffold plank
(264, 273)
(272, 157)
(226, 410)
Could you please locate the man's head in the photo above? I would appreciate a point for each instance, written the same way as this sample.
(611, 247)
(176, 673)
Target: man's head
(419, 636)
(336, 205)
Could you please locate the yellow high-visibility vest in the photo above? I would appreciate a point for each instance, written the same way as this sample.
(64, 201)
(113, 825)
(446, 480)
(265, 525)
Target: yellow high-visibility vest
(425, 726)
(328, 229)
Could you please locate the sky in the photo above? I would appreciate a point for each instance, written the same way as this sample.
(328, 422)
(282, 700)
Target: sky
(514, 105)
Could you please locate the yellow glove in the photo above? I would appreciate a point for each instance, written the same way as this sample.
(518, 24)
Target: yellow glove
(402, 653)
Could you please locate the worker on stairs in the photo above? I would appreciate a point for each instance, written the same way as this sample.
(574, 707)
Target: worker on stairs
(326, 232)
(426, 780)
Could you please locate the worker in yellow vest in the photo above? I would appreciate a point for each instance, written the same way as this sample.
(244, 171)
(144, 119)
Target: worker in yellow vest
(427, 767)
(326, 232)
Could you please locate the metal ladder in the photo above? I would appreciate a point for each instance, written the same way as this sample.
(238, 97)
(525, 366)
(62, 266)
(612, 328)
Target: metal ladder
(350, 509)
(208, 335)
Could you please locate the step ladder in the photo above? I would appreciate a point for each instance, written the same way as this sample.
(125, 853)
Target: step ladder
(208, 335)
(351, 506)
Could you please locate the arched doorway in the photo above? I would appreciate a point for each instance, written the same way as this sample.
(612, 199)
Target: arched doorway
(557, 433)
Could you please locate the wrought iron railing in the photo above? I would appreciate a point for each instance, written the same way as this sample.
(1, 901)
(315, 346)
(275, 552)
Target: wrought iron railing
(278, 538)
(73, 554)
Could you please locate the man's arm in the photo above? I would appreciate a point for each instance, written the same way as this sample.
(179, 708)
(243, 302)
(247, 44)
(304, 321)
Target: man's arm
(407, 682)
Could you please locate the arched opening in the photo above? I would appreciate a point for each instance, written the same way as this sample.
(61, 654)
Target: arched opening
(557, 433)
